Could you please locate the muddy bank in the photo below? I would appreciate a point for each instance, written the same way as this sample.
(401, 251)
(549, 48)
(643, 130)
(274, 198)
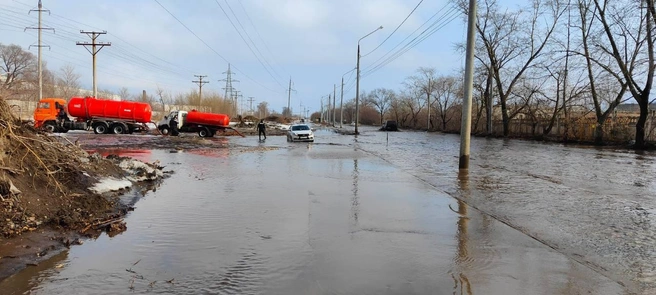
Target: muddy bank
(52, 192)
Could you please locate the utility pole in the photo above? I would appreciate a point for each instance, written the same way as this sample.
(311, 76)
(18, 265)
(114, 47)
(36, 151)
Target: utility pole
(200, 83)
(235, 96)
(40, 28)
(341, 107)
(95, 48)
(465, 127)
(251, 99)
(357, 90)
(328, 110)
(321, 117)
(334, 98)
(289, 97)
(430, 88)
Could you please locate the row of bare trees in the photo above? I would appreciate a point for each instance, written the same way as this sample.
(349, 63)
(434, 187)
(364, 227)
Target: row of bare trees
(570, 56)
(550, 62)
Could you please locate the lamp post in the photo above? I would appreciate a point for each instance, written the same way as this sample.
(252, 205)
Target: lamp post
(341, 100)
(357, 82)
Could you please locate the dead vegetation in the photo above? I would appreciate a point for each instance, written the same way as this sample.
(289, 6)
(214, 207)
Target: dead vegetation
(45, 181)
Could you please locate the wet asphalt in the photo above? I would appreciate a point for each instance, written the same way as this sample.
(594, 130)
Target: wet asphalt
(377, 214)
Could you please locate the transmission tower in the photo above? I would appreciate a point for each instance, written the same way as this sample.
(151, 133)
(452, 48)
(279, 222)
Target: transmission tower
(95, 48)
(40, 28)
(229, 90)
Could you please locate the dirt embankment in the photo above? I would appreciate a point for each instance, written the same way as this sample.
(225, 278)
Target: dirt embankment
(45, 190)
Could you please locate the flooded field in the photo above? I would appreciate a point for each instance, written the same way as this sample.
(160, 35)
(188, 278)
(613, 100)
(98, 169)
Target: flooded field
(377, 214)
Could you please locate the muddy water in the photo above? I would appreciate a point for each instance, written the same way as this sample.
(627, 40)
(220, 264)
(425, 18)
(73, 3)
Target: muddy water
(373, 215)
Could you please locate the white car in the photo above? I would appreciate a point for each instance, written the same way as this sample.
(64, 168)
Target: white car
(300, 132)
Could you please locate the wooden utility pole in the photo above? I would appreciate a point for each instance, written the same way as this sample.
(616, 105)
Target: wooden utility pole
(95, 48)
(200, 83)
(40, 45)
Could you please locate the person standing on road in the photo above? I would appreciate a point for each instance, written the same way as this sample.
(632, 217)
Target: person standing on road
(173, 123)
(261, 129)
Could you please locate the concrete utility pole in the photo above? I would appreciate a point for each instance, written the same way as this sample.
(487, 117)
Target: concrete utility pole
(95, 48)
(328, 110)
(334, 103)
(236, 95)
(251, 99)
(321, 103)
(341, 106)
(465, 127)
(357, 83)
(341, 100)
(40, 28)
(200, 83)
(430, 88)
(289, 97)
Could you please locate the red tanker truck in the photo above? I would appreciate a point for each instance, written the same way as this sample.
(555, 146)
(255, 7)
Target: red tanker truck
(206, 124)
(100, 115)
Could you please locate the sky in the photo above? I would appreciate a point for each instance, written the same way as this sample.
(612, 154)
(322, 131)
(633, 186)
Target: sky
(164, 43)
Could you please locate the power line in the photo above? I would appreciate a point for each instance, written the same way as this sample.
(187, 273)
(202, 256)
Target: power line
(445, 19)
(410, 35)
(212, 49)
(121, 53)
(246, 42)
(260, 36)
(390, 35)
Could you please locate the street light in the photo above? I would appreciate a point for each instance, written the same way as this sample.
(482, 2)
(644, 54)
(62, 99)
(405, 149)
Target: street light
(357, 83)
(341, 100)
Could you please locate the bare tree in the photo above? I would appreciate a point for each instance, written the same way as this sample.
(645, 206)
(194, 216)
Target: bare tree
(628, 29)
(512, 43)
(68, 82)
(263, 109)
(15, 63)
(603, 104)
(381, 99)
(446, 91)
(163, 97)
(124, 93)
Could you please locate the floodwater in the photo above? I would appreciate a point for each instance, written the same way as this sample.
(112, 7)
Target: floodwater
(381, 213)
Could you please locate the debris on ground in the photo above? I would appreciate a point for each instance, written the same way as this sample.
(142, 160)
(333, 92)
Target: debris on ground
(49, 181)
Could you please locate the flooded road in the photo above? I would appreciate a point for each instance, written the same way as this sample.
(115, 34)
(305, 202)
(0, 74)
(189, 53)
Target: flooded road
(377, 214)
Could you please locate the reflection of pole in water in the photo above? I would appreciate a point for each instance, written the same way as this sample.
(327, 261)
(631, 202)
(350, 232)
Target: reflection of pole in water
(355, 200)
(461, 281)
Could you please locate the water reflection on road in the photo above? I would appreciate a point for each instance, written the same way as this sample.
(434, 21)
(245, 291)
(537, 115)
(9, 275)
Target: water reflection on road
(346, 217)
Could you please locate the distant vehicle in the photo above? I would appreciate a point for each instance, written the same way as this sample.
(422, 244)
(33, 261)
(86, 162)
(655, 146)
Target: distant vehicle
(300, 132)
(389, 125)
(101, 115)
(205, 124)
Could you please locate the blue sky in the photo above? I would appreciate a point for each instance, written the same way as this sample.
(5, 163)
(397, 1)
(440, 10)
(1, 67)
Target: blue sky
(312, 41)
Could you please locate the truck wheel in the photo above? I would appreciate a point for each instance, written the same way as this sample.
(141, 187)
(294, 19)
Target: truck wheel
(119, 128)
(50, 126)
(165, 130)
(100, 128)
(204, 132)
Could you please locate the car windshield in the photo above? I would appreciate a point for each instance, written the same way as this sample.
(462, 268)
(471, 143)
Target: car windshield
(300, 127)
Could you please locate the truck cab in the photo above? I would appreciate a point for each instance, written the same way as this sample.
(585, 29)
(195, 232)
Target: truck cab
(163, 124)
(45, 114)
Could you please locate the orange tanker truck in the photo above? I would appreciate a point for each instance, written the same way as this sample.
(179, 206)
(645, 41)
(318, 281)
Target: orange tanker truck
(100, 115)
(205, 124)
